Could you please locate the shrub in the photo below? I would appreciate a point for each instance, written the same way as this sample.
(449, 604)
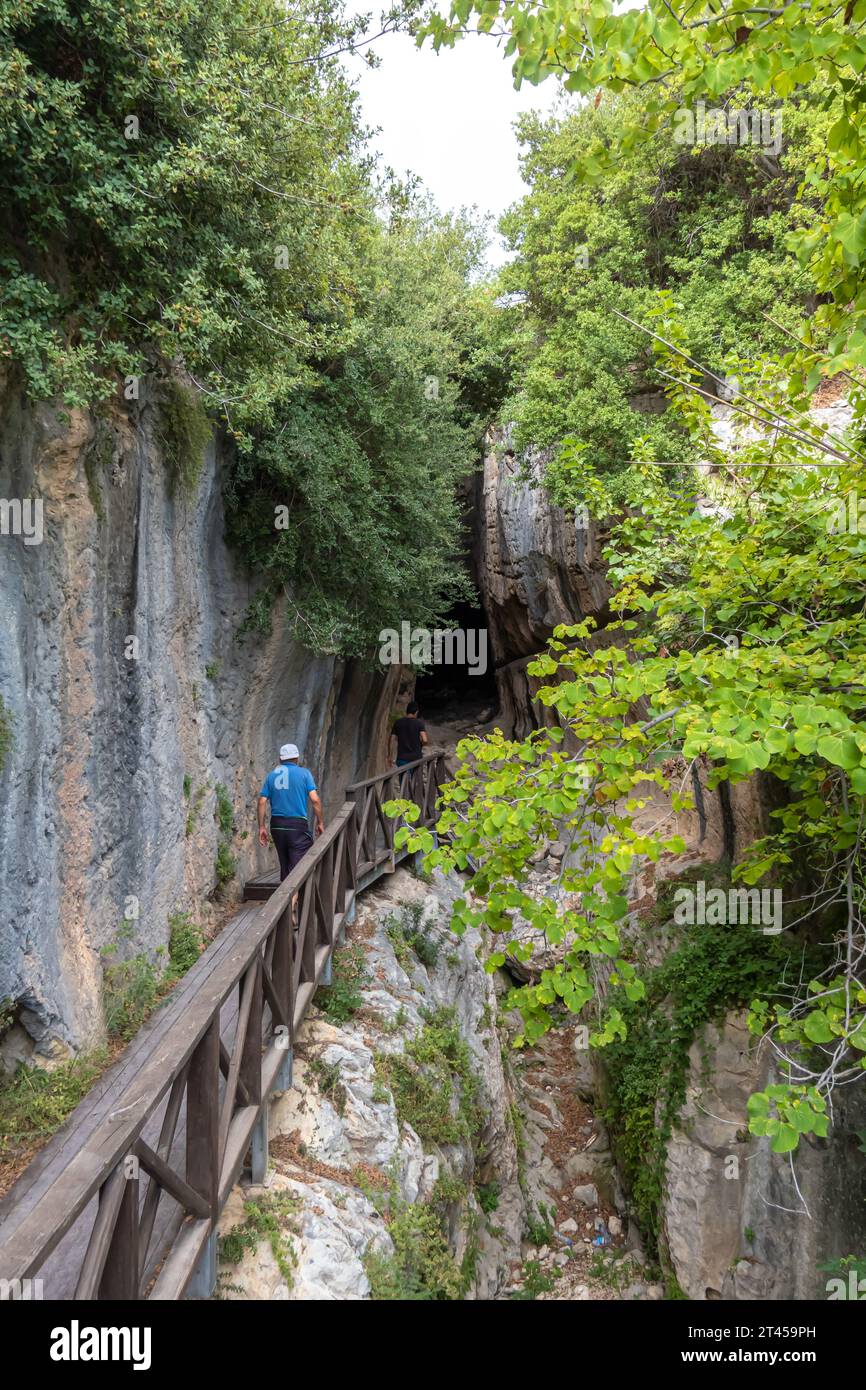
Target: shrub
(130, 990)
(327, 1076)
(535, 1281)
(195, 804)
(408, 937)
(340, 1000)
(185, 945)
(422, 1267)
(540, 1226)
(433, 1084)
(225, 866)
(488, 1196)
(34, 1103)
(225, 813)
(269, 1218)
(186, 432)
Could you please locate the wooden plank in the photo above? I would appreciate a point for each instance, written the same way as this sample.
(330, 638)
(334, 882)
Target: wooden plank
(110, 1199)
(250, 1070)
(173, 1183)
(44, 1205)
(237, 1142)
(228, 1102)
(179, 1264)
(282, 968)
(300, 936)
(120, 1276)
(262, 887)
(202, 1119)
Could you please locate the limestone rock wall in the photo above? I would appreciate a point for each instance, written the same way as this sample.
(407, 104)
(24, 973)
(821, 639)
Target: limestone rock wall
(741, 1222)
(536, 567)
(734, 1224)
(127, 683)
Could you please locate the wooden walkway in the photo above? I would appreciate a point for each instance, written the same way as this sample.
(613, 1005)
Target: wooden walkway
(123, 1202)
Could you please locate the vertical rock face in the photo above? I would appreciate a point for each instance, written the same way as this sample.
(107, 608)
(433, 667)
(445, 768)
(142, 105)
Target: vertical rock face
(132, 696)
(736, 1222)
(537, 567)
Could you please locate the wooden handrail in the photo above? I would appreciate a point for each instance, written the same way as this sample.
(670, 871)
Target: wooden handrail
(424, 760)
(177, 1112)
(418, 781)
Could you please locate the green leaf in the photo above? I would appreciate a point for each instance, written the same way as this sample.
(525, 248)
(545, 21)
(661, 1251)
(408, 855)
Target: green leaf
(816, 1027)
(785, 1140)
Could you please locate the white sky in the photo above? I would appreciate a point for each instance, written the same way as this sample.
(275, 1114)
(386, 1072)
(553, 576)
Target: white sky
(448, 117)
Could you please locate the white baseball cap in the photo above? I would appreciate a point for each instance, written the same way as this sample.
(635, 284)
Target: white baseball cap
(288, 751)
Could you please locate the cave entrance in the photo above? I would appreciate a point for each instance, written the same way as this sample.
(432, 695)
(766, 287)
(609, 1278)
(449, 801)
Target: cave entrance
(454, 691)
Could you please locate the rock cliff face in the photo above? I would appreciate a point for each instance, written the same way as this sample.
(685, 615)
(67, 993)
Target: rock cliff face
(734, 1224)
(536, 566)
(131, 699)
(740, 1221)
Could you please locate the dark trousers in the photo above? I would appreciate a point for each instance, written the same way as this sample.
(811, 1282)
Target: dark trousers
(292, 837)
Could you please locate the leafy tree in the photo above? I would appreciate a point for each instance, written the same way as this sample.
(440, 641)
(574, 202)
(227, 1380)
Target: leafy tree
(370, 455)
(711, 222)
(190, 201)
(676, 53)
(737, 640)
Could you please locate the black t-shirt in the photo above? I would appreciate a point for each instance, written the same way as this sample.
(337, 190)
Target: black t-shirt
(408, 730)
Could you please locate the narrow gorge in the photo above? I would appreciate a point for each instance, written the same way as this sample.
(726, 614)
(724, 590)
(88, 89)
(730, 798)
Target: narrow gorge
(432, 666)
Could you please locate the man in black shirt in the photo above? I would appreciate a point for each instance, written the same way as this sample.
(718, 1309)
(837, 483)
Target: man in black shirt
(410, 734)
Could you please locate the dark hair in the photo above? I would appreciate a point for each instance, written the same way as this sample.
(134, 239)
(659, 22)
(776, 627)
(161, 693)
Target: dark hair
(411, 708)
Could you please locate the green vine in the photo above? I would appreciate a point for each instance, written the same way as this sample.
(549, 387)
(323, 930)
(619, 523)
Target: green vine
(647, 1072)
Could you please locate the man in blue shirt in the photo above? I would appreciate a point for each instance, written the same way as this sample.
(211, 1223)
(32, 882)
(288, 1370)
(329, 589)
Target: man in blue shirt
(287, 790)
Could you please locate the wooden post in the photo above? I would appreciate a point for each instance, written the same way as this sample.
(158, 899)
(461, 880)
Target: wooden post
(282, 966)
(250, 1071)
(202, 1116)
(120, 1274)
(203, 1281)
(259, 1148)
(202, 1146)
(351, 861)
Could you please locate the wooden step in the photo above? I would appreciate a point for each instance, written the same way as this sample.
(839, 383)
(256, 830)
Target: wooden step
(259, 889)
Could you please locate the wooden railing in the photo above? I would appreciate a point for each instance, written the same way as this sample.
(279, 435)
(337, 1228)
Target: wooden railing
(419, 782)
(123, 1202)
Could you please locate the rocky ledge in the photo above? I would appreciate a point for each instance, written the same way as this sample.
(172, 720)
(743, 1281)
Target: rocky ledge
(394, 1168)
